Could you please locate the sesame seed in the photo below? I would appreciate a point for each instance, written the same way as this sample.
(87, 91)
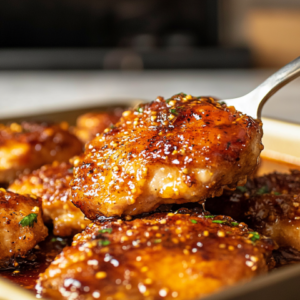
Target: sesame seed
(124, 239)
(126, 113)
(163, 292)
(249, 263)
(172, 103)
(163, 221)
(221, 233)
(186, 252)
(36, 209)
(174, 294)
(185, 171)
(144, 269)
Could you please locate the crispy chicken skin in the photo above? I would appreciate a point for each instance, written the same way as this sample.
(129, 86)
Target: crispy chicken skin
(31, 145)
(270, 204)
(183, 149)
(17, 239)
(165, 255)
(89, 124)
(51, 183)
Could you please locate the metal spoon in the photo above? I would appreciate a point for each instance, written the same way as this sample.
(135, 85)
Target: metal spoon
(252, 103)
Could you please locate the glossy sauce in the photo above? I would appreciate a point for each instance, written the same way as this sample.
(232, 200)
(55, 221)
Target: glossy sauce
(52, 246)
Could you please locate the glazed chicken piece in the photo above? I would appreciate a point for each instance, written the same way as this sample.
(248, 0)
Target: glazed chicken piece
(51, 183)
(270, 204)
(30, 145)
(183, 149)
(90, 124)
(186, 255)
(21, 226)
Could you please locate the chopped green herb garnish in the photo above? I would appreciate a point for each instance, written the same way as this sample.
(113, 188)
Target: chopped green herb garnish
(60, 240)
(112, 126)
(157, 241)
(106, 230)
(218, 221)
(228, 232)
(277, 193)
(209, 216)
(182, 94)
(193, 221)
(262, 190)
(242, 189)
(140, 110)
(173, 111)
(234, 223)
(176, 212)
(222, 102)
(29, 220)
(104, 242)
(168, 100)
(255, 236)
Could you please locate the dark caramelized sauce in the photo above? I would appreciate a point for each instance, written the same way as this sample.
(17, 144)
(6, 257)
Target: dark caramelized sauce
(52, 246)
(27, 272)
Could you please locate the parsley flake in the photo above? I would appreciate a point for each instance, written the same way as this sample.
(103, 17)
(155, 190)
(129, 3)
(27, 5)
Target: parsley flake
(234, 223)
(60, 240)
(241, 189)
(218, 221)
(193, 221)
(277, 193)
(157, 241)
(29, 220)
(262, 190)
(222, 102)
(209, 216)
(140, 110)
(106, 230)
(255, 236)
(173, 111)
(104, 242)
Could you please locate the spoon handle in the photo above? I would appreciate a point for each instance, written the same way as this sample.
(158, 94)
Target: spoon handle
(252, 103)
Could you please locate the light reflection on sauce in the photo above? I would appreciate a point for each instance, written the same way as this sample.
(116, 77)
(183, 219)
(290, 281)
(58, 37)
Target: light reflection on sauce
(29, 271)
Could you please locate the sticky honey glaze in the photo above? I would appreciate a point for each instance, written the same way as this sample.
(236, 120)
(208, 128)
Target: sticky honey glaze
(177, 150)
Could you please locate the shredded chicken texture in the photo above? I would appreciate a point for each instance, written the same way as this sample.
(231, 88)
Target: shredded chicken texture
(51, 183)
(270, 204)
(183, 149)
(17, 237)
(186, 255)
(30, 145)
(90, 124)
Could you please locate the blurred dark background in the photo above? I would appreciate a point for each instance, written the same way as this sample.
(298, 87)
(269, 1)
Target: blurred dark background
(148, 34)
(114, 34)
